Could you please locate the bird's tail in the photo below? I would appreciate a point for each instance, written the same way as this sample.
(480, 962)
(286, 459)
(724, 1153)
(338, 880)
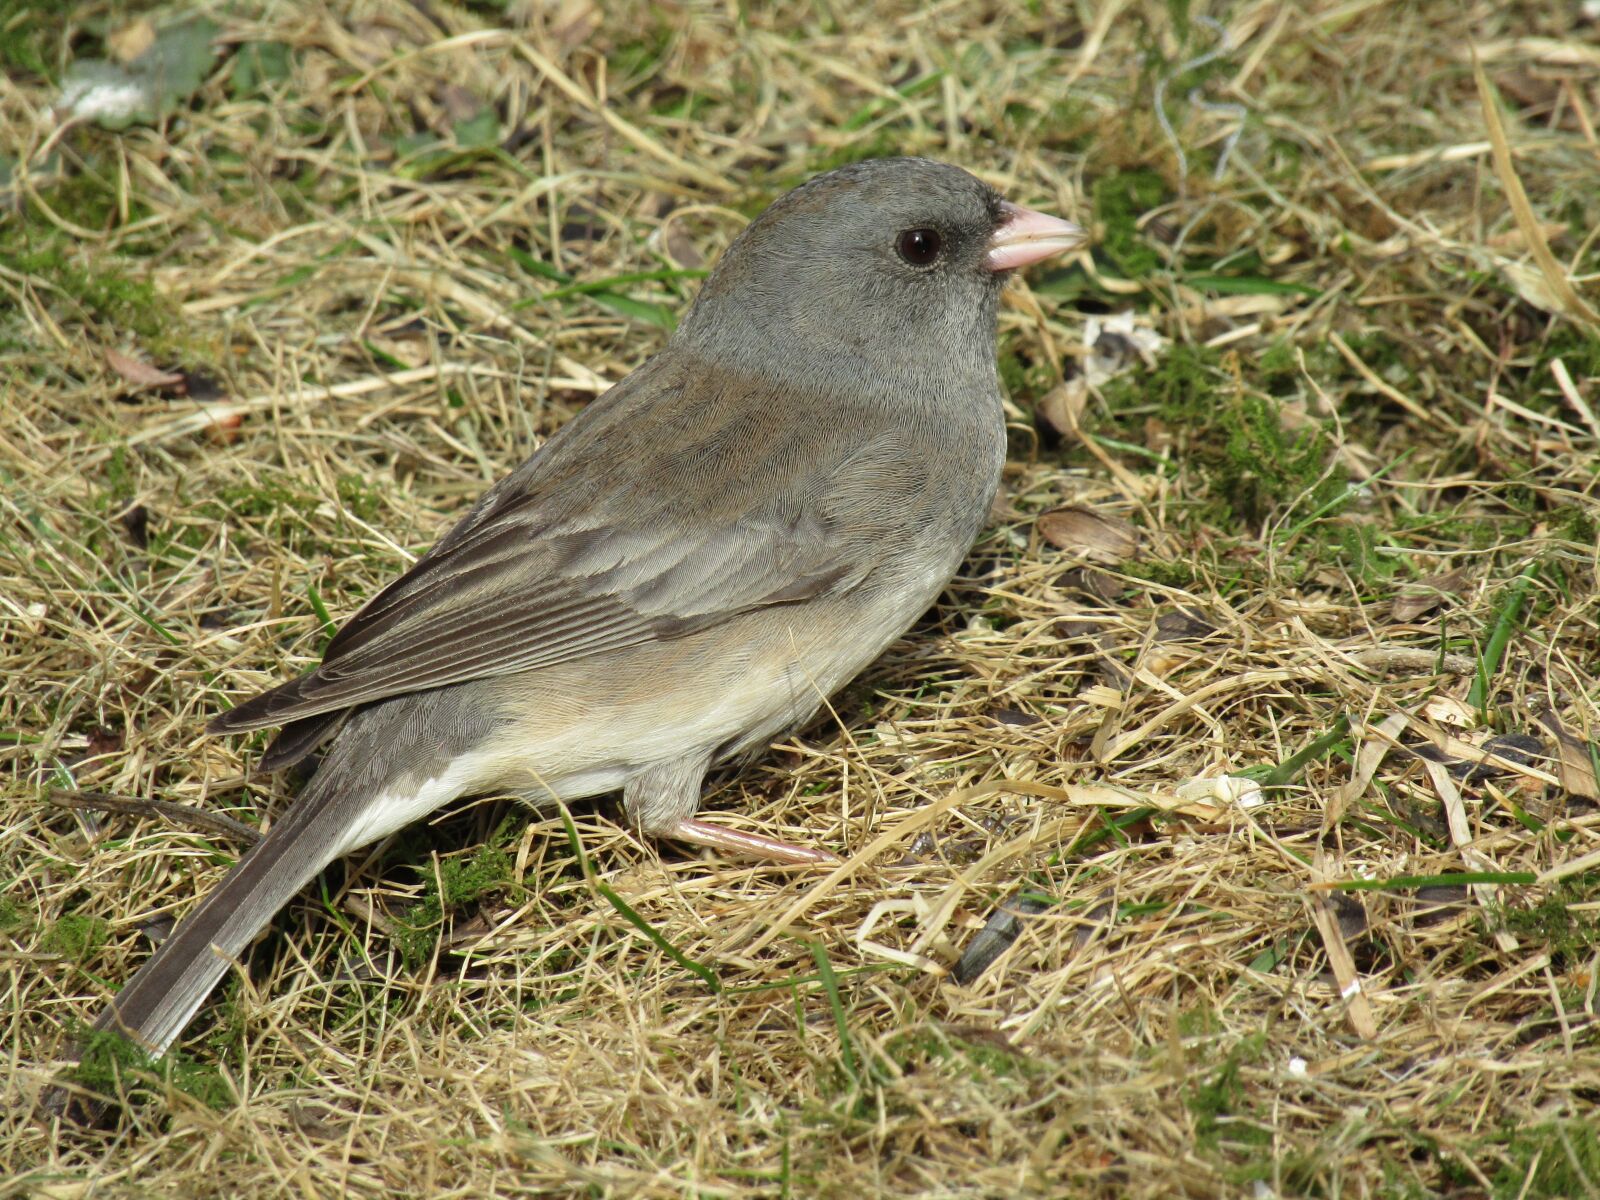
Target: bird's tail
(164, 994)
(391, 765)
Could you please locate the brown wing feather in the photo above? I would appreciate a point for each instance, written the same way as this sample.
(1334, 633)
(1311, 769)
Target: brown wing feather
(553, 564)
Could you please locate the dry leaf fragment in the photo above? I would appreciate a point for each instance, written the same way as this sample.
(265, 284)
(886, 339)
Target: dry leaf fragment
(136, 520)
(140, 374)
(1427, 594)
(1094, 535)
(459, 103)
(1473, 763)
(1002, 929)
(1513, 241)
(572, 23)
(1092, 582)
(1376, 741)
(1358, 1009)
(1440, 903)
(1062, 406)
(1352, 915)
(1184, 625)
(1240, 790)
(1101, 917)
(224, 429)
(129, 42)
(682, 250)
(1575, 763)
(1450, 713)
(1557, 283)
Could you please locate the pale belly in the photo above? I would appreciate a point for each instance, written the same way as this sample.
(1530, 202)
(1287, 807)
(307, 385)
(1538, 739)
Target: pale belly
(583, 729)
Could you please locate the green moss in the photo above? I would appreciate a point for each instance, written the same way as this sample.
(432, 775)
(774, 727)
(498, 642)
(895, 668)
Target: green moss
(1200, 1021)
(932, 1043)
(1179, 573)
(77, 936)
(1067, 124)
(106, 292)
(1185, 385)
(1357, 549)
(112, 1066)
(256, 499)
(1217, 1102)
(456, 882)
(1578, 350)
(1567, 935)
(1120, 199)
(1266, 469)
(272, 508)
(1277, 363)
(1556, 1158)
(1573, 522)
(635, 61)
(107, 1058)
(204, 1081)
(257, 66)
(359, 497)
(1023, 380)
(357, 1007)
(1277, 369)
(1465, 532)
(33, 39)
(1384, 355)
(90, 200)
(1178, 11)
(119, 478)
(1247, 466)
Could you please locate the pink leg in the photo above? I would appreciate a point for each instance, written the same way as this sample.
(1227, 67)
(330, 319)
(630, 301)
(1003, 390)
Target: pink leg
(752, 845)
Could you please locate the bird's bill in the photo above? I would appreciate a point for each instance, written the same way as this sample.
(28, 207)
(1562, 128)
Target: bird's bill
(1025, 236)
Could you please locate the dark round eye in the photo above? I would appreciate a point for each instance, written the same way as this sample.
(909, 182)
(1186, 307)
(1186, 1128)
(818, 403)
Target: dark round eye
(919, 247)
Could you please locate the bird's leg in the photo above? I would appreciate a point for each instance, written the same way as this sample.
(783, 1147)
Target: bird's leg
(661, 801)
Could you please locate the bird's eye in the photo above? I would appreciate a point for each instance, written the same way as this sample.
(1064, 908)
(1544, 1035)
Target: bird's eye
(919, 247)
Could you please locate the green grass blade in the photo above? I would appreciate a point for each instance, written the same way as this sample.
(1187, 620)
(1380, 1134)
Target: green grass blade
(1401, 883)
(1289, 769)
(830, 985)
(329, 627)
(1504, 627)
(705, 973)
(627, 912)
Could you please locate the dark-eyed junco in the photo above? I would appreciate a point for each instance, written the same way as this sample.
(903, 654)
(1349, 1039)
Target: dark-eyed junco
(683, 572)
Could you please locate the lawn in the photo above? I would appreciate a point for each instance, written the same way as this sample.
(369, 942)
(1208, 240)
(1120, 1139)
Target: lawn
(1230, 827)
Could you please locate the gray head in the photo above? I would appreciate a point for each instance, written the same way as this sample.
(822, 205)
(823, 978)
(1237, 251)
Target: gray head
(883, 260)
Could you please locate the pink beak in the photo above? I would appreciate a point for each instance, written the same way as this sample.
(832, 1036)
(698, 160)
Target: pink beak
(1025, 236)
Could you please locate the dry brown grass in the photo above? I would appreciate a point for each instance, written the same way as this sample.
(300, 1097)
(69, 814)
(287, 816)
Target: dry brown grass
(1197, 1012)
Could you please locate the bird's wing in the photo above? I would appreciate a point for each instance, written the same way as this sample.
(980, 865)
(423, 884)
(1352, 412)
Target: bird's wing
(536, 575)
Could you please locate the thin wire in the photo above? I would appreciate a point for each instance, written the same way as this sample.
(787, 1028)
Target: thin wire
(1224, 47)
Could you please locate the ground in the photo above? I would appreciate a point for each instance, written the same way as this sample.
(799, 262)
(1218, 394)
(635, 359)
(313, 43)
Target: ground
(1260, 727)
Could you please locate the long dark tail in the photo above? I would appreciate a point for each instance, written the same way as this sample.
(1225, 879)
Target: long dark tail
(383, 770)
(164, 994)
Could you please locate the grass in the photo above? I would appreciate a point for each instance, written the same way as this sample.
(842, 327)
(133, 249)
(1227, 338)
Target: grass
(388, 248)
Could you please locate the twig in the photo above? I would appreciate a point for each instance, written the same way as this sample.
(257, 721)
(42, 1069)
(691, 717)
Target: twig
(177, 814)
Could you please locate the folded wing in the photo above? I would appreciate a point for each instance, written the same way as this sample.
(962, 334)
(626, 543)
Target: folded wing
(536, 575)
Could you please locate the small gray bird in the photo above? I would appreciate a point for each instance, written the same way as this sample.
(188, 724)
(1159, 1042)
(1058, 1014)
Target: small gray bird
(685, 571)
